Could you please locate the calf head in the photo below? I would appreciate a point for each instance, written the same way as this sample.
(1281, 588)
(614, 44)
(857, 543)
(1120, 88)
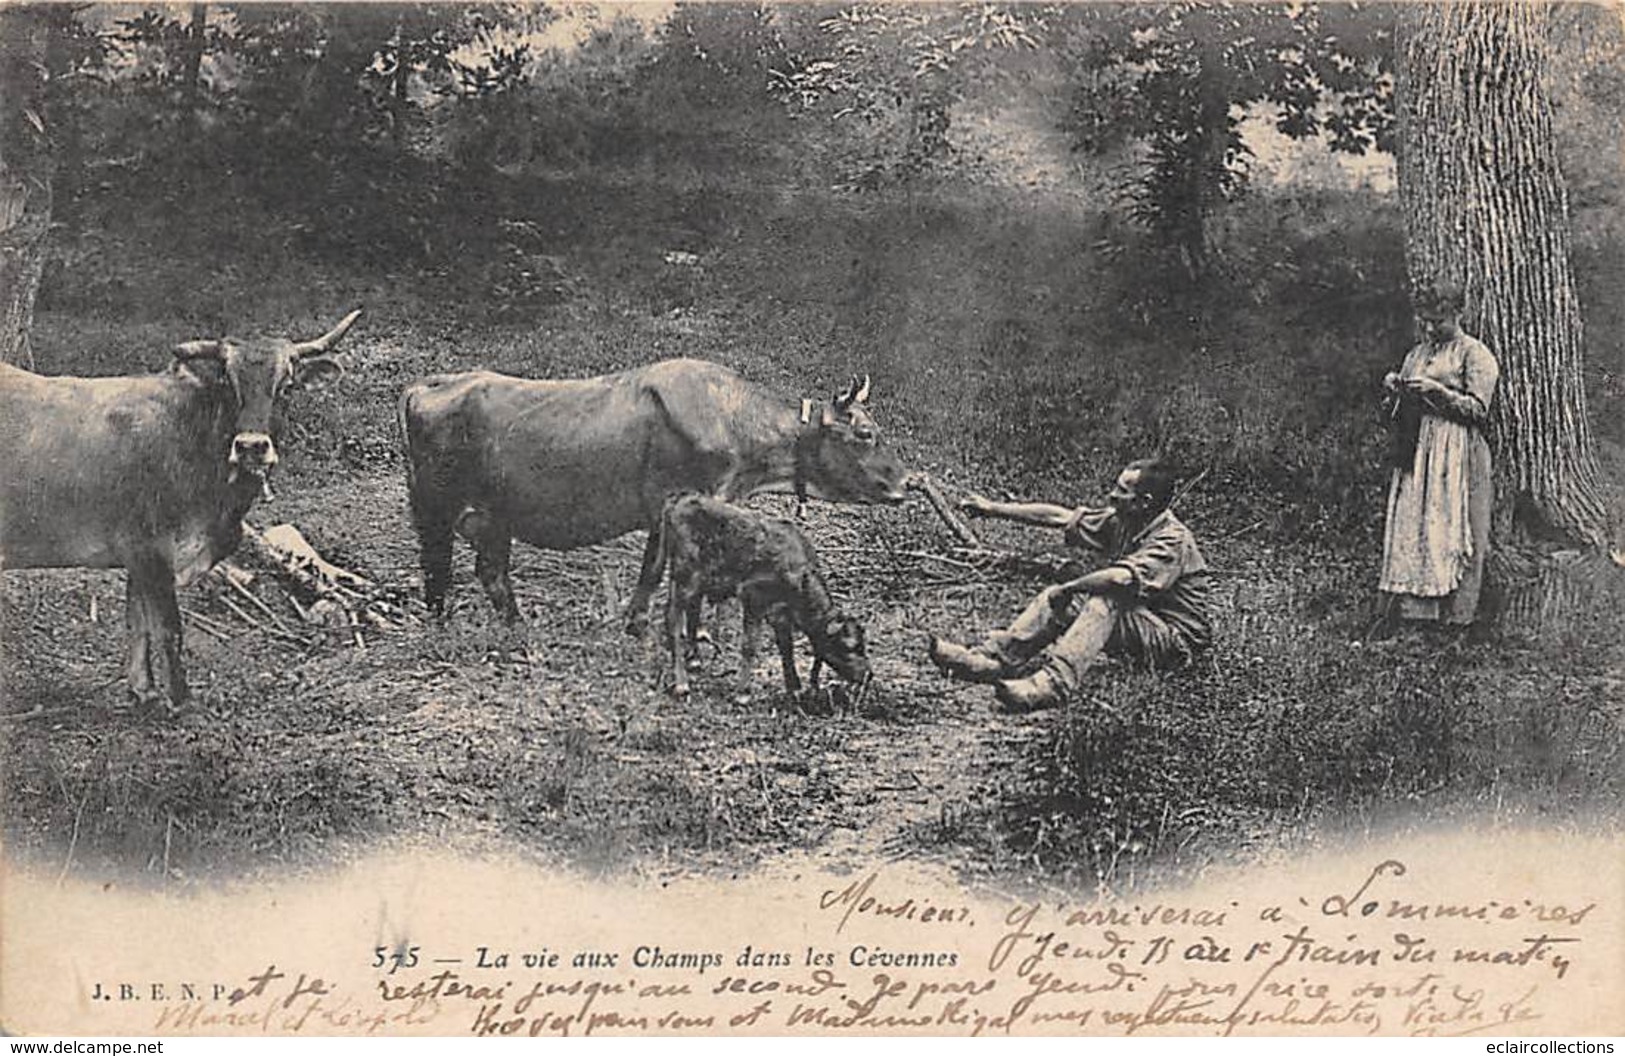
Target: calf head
(845, 460)
(260, 371)
(840, 644)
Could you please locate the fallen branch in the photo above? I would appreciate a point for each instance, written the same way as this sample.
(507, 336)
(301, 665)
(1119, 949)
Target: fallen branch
(1051, 566)
(241, 615)
(275, 632)
(918, 555)
(923, 483)
(206, 625)
(283, 547)
(1185, 488)
(237, 578)
(331, 595)
(1238, 534)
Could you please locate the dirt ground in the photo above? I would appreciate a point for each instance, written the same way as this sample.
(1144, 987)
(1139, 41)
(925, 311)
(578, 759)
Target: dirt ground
(557, 739)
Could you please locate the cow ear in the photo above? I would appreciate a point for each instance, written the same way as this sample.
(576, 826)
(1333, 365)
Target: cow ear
(861, 395)
(316, 371)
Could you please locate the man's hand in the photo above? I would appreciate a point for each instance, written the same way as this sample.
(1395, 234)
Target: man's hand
(1042, 514)
(1108, 580)
(1390, 381)
(975, 505)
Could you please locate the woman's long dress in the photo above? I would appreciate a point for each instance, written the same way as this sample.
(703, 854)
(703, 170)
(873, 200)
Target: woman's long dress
(1438, 528)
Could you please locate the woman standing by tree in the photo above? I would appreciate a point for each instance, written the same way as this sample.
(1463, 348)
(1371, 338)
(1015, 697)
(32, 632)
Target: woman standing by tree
(1439, 500)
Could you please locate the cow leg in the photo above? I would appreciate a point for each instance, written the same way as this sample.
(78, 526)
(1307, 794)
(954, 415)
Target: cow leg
(151, 586)
(493, 547)
(434, 558)
(167, 667)
(785, 631)
(637, 610)
(137, 623)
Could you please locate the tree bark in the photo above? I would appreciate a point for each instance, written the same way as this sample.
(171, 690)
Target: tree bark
(192, 76)
(25, 174)
(1486, 208)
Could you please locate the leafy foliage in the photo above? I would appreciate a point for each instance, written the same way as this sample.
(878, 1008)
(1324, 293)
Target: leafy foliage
(1179, 78)
(889, 75)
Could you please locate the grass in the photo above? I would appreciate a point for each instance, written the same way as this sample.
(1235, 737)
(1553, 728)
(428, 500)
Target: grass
(1028, 347)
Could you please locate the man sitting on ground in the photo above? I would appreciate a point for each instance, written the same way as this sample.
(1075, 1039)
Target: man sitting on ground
(1149, 602)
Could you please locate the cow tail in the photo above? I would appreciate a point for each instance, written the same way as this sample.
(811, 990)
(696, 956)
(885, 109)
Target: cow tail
(429, 482)
(412, 447)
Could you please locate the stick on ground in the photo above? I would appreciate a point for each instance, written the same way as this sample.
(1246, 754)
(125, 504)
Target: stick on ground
(962, 531)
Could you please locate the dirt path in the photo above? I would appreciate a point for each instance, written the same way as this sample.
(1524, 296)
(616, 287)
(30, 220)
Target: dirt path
(925, 790)
(924, 783)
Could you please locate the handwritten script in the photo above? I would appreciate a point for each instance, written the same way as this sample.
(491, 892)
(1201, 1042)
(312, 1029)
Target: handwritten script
(1368, 955)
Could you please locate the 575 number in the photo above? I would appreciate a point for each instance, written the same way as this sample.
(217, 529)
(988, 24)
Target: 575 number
(399, 957)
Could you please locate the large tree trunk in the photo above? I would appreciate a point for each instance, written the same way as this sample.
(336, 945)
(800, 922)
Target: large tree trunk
(1485, 208)
(25, 174)
(192, 75)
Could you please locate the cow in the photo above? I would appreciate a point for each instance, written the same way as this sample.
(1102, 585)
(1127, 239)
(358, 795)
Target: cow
(566, 463)
(152, 474)
(715, 550)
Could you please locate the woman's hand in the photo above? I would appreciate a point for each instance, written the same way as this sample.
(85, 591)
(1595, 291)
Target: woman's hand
(1422, 386)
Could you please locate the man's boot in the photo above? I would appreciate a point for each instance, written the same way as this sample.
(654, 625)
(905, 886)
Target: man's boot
(971, 665)
(1043, 689)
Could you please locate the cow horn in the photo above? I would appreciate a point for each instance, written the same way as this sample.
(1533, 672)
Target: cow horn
(200, 350)
(862, 395)
(329, 339)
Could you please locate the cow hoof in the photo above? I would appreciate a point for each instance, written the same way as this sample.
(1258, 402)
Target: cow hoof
(151, 704)
(142, 698)
(694, 663)
(679, 692)
(636, 625)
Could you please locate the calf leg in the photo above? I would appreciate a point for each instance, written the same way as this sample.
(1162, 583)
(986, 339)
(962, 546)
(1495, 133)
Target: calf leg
(749, 633)
(695, 634)
(785, 631)
(678, 604)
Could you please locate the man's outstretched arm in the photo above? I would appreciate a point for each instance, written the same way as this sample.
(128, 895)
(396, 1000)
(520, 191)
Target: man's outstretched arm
(1041, 514)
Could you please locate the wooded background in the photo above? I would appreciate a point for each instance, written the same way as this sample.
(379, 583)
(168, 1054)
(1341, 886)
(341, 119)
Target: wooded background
(1058, 236)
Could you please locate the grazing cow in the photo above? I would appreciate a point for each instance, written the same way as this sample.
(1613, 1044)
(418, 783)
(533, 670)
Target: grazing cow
(561, 464)
(716, 550)
(151, 474)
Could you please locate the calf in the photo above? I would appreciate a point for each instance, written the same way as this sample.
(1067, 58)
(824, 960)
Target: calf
(716, 551)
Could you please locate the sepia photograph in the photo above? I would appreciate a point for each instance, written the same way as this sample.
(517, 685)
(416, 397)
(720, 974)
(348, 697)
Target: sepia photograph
(708, 518)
